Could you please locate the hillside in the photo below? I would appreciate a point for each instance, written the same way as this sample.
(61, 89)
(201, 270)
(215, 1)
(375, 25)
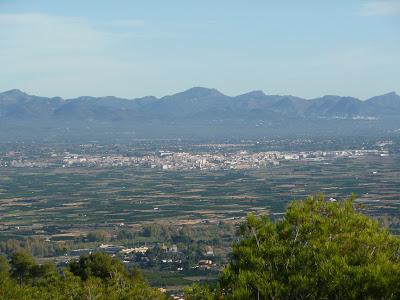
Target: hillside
(197, 112)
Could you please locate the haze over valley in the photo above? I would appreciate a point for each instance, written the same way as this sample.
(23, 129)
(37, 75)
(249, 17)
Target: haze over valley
(195, 113)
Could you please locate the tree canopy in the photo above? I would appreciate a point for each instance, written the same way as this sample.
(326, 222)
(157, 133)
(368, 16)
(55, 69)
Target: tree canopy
(96, 276)
(98, 265)
(319, 250)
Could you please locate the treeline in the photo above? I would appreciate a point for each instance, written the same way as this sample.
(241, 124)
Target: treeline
(96, 276)
(154, 232)
(37, 247)
(186, 236)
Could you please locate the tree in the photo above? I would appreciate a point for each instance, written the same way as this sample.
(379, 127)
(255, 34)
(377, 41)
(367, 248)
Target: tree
(4, 265)
(43, 270)
(319, 250)
(198, 292)
(22, 265)
(98, 236)
(106, 279)
(98, 265)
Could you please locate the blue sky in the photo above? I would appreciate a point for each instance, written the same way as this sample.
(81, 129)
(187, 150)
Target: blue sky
(136, 48)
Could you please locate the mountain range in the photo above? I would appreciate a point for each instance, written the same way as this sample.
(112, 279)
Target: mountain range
(199, 107)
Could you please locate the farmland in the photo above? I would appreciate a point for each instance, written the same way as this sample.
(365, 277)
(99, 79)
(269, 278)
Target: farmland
(73, 201)
(60, 211)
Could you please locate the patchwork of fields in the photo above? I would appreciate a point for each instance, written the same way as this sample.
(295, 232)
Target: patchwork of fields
(64, 202)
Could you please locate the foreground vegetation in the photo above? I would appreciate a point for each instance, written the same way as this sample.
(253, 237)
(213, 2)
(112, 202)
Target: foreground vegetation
(320, 250)
(97, 276)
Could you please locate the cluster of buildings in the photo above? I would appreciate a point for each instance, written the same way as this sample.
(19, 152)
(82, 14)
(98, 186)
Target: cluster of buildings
(211, 161)
(188, 161)
(115, 250)
(168, 257)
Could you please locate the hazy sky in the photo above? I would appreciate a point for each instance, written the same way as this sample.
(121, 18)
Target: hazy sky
(136, 48)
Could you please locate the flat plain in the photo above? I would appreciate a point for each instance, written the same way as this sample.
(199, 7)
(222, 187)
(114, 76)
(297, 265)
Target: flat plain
(63, 203)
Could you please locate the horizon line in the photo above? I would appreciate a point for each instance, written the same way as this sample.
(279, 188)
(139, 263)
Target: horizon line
(192, 88)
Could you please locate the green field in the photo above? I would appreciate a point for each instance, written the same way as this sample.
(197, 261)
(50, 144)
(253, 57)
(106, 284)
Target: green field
(68, 202)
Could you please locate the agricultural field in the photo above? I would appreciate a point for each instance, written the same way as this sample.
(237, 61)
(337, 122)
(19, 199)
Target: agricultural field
(59, 212)
(68, 202)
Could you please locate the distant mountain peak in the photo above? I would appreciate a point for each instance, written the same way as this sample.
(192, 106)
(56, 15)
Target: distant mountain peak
(387, 99)
(391, 94)
(254, 94)
(14, 92)
(198, 91)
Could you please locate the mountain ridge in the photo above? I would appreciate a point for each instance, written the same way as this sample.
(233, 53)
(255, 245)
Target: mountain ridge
(196, 102)
(198, 109)
(197, 89)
